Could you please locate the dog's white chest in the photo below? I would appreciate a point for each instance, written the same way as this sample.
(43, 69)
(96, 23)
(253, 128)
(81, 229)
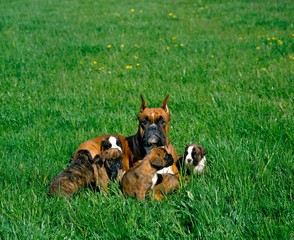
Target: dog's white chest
(154, 180)
(165, 170)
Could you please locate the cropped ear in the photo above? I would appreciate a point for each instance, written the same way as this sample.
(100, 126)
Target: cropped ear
(164, 104)
(143, 105)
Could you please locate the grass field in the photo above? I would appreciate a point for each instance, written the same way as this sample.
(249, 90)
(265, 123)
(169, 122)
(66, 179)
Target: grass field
(73, 70)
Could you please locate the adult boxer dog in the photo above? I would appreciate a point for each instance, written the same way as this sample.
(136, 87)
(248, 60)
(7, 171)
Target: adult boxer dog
(193, 159)
(139, 179)
(85, 171)
(152, 132)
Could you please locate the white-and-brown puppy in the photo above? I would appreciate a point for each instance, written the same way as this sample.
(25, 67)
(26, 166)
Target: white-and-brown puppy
(139, 179)
(194, 159)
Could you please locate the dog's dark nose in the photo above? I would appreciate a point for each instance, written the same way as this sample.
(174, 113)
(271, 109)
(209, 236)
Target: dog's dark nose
(189, 160)
(153, 127)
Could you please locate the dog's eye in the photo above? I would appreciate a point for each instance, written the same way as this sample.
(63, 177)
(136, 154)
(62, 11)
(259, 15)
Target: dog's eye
(162, 122)
(107, 146)
(145, 121)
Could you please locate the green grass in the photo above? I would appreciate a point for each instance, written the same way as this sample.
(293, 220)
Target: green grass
(72, 70)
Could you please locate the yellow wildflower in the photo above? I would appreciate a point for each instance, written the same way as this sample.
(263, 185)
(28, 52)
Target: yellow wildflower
(167, 48)
(280, 42)
(263, 69)
(182, 44)
(132, 10)
(122, 46)
(109, 46)
(174, 38)
(258, 48)
(172, 15)
(137, 64)
(129, 67)
(94, 62)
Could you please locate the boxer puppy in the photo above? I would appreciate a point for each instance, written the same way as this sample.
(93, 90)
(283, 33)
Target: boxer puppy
(111, 157)
(138, 180)
(79, 174)
(86, 171)
(193, 159)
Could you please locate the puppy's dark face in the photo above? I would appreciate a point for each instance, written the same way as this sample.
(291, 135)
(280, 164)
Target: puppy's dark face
(193, 154)
(153, 125)
(111, 156)
(159, 158)
(112, 162)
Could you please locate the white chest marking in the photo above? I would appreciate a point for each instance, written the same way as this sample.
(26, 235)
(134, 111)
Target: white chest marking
(199, 168)
(165, 170)
(112, 140)
(154, 180)
(162, 171)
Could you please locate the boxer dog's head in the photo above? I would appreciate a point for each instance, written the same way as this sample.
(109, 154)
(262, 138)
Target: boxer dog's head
(194, 158)
(153, 124)
(159, 158)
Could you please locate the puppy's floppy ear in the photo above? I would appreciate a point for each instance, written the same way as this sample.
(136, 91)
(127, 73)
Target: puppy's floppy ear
(164, 104)
(157, 162)
(143, 105)
(86, 155)
(103, 145)
(203, 151)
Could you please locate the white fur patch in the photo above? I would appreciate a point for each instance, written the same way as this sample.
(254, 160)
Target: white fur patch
(112, 140)
(189, 159)
(199, 168)
(154, 180)
(165, 170)
(162, 171)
